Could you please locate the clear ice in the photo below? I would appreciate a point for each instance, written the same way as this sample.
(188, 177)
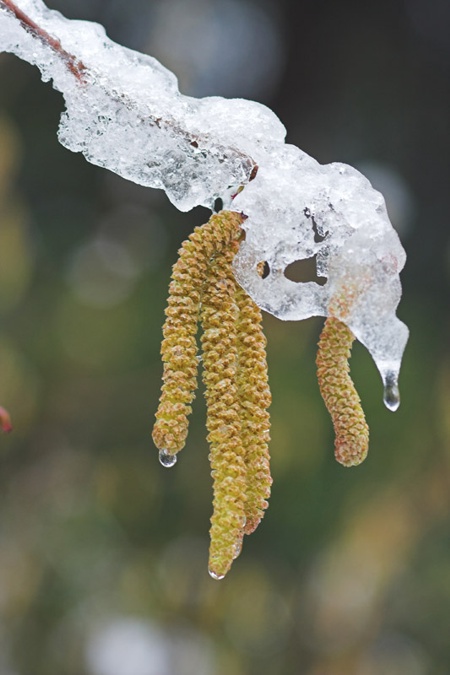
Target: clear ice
(166, 459)
(126, 114)
(391, 395)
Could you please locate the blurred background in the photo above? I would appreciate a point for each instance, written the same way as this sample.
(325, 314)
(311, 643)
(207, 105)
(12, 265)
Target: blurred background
(103, 553)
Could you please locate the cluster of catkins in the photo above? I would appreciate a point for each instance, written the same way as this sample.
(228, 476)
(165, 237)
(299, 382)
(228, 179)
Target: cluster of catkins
(203, 291)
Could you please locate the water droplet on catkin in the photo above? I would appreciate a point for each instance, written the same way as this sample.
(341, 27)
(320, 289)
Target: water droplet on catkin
(166, 459)
(237, 549)
(215, 576)
(391, 395)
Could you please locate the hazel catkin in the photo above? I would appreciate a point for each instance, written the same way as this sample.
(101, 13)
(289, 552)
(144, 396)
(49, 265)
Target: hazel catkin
(339, 393)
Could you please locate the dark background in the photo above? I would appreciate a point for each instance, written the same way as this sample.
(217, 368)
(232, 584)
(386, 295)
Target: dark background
(103, 553)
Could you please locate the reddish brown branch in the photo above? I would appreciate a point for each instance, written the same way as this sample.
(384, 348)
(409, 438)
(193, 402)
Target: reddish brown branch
(75, 66)
(5, 421)
(79, 70)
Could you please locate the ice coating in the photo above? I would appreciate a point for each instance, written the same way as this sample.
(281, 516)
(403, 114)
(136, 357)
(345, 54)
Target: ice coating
(331, 213)
(124, 112)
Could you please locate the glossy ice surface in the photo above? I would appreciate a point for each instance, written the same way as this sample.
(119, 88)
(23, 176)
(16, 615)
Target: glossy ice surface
(124, 112)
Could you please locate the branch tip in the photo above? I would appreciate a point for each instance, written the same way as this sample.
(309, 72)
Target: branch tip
(76, 67)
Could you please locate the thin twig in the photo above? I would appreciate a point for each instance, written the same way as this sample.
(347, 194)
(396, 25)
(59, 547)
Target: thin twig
(76, 67)
(79, 70)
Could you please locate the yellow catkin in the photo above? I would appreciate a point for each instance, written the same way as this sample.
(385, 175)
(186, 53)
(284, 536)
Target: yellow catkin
(254, 398)
(179, 346)
(339, 393)
(235, 377)
(220, 363)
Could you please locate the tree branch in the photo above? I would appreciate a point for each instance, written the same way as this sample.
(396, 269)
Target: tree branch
(76, 67)
(79, 70)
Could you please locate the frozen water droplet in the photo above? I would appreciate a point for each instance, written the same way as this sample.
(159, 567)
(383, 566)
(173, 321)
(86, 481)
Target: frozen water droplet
(218, 577)
(166, 459)
(391, 395)
(237, 549)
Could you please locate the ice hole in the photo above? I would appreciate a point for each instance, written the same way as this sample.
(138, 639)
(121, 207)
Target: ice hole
(218, 205)
(264, 269)
(318, 237)
(304, 270)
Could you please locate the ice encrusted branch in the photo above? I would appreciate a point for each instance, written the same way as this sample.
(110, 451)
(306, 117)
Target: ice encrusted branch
(124, 112)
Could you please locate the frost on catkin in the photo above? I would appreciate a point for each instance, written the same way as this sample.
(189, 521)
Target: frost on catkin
(339, 393)
(179, 346)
